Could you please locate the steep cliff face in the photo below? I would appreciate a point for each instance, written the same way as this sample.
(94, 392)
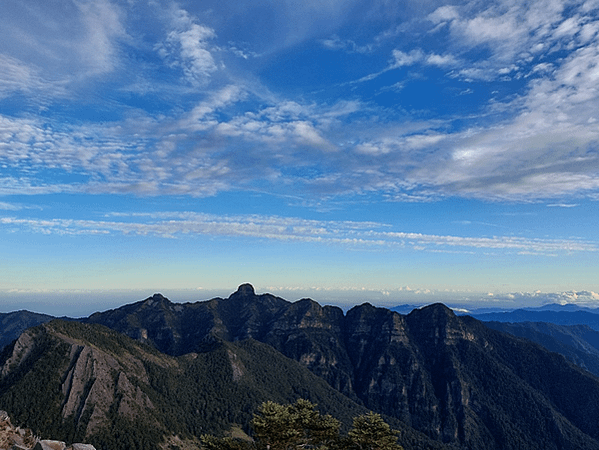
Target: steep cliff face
(55, 366)
(95, 383)
(313, 335)
(578, 343)
(155, 321)
(460, 382)
(389, 373)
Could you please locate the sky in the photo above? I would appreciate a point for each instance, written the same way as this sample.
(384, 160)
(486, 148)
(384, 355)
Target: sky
(350, 151)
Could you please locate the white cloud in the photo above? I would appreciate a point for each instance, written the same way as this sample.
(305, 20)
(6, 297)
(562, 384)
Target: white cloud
(527, 299)
(15, 76)
(51, 52)
(10, 206)
(491, 29)
(545, 146)
(417, 56)
(538, 143)
(401, 59)
(444, 14)
(336, 43)
(187, 46)
(347, 233)
(515, 33)
(440, 60)
(401, 145)
(103, 28)
(228, 95)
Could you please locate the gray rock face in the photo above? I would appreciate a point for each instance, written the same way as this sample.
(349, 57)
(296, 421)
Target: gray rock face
(18, 447)
(91, 380)
(14, 438)
(59, 445)
(49, 445)
(81, 447)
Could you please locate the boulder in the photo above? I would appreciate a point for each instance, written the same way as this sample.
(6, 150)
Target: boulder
(49, 445)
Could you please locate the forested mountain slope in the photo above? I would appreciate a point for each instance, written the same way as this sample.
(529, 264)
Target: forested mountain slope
(84, 382)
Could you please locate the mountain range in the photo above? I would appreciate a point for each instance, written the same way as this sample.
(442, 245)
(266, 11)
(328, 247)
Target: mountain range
(160, 372)
(562, 316)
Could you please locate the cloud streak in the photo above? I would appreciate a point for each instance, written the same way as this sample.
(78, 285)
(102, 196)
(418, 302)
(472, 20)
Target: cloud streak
(365, 235)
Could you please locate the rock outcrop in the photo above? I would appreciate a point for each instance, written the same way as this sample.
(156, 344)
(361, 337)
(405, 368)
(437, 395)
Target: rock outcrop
(92, 380)
(15, 438)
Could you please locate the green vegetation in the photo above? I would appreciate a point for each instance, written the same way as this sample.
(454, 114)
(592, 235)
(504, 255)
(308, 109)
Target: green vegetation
(294, 426)
(444, 382)
(301, 426)
(31, 392)
(370, 432)
(210, 391)
(187, 396)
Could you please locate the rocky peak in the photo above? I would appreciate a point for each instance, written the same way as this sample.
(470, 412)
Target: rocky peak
(437, 314)
(436, 309)
(245, 290)
(157, 300)
(438, 325)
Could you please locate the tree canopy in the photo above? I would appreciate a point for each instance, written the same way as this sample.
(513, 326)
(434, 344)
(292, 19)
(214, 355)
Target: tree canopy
(370, 432)
(300, 426)
(282, 427)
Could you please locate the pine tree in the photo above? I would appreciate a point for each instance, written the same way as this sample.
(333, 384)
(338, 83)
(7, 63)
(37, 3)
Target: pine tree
(299, 425)
(371, 432)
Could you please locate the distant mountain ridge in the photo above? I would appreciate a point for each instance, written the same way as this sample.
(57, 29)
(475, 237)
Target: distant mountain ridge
(14, 323)
(563, 317)
(578, 343)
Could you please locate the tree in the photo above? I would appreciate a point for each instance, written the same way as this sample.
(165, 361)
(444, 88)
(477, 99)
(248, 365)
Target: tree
(273, 426)
(299, 425)
(371, 432)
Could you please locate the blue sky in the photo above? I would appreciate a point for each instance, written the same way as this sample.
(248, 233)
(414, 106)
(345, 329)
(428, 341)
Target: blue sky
(387, 151)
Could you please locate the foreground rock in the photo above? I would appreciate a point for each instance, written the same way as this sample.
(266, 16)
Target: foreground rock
(16, 438)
